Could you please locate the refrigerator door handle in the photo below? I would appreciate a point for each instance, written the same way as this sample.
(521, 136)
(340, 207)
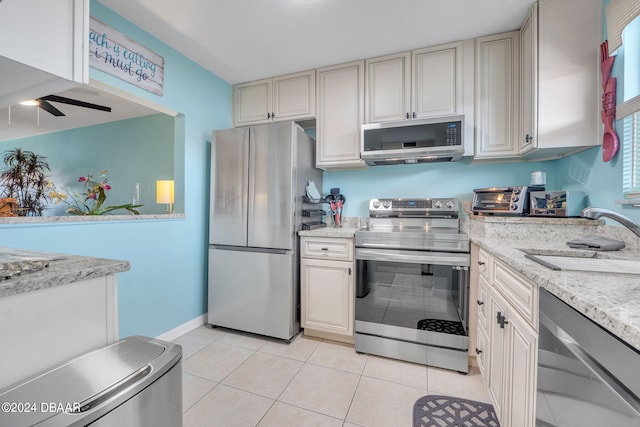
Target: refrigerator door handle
(251, 249)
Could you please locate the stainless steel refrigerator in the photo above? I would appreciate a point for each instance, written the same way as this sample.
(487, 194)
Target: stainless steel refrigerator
(258, 178)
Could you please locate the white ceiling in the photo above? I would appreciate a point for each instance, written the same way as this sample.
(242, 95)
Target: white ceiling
(243, 40)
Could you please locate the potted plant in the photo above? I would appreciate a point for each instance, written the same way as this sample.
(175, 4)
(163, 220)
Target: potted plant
(25, 179)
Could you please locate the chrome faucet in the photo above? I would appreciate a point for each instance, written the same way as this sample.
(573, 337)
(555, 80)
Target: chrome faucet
(595, 213)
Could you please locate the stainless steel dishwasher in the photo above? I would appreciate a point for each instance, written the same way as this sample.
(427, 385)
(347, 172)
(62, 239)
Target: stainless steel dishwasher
(587, 377)
(134, 382)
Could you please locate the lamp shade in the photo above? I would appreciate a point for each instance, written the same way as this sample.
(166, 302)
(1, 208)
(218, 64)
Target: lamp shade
(164, 191)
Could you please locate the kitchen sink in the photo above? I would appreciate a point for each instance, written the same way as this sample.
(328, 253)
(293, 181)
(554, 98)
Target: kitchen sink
(591, 261)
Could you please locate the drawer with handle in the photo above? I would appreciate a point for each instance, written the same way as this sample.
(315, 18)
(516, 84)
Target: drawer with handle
(326, 248)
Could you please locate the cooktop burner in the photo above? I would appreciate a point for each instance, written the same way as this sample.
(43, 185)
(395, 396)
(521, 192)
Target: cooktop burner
(421, 224)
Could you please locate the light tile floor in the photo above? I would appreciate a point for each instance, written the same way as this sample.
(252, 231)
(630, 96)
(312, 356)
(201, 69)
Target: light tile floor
(236, 379)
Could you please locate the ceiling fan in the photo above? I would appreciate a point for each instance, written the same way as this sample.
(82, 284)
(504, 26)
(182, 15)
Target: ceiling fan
(44, 103)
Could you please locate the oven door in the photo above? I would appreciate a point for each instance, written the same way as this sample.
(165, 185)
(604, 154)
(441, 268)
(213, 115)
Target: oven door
(416, 297)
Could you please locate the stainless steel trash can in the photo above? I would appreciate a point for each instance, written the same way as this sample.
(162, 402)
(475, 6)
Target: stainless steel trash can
(134, 382)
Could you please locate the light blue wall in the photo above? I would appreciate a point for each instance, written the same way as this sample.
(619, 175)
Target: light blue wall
(429, 180)
(135, 151)
(587, 172)
(166, 285)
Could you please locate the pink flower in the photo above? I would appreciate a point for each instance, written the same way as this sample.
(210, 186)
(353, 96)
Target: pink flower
(82, 179)
(106, 186)
(92, 196)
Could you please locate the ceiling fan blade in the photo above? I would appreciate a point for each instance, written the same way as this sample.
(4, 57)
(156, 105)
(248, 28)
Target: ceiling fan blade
(49, 108)
(78, 103)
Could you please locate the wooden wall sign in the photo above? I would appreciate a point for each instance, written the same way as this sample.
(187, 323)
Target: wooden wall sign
(117, 55)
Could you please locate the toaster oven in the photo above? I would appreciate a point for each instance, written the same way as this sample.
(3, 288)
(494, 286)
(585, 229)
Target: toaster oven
(503, 200)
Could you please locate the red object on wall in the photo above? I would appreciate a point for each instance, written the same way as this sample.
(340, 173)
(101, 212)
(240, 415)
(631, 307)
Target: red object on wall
(610, 143)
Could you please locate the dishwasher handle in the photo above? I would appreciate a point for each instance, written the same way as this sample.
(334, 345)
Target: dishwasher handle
(603, 375)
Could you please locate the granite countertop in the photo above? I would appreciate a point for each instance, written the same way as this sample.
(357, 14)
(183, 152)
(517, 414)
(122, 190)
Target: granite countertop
(24, 271)
(342, 232)
(610, 300)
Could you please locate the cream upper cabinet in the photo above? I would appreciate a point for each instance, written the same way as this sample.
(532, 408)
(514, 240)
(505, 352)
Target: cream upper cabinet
(290, 97)
(35, 64)
(497, 95)
(327, 288)
(388, 91)
(527, 137)
(437, 78)
(560, 78)
(340, 91)
(422, 83)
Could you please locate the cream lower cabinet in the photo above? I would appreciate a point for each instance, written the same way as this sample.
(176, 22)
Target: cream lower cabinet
(507, 340)
(327, 288)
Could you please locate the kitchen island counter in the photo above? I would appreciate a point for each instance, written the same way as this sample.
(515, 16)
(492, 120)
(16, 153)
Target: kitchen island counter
(611, 300)
(54, 307)
(60, 269)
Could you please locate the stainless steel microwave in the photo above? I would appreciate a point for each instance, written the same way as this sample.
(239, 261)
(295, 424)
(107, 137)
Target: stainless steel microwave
(413, 141)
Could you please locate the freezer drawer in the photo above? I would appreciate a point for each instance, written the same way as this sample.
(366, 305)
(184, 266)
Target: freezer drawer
(136, 381)
(254, 291)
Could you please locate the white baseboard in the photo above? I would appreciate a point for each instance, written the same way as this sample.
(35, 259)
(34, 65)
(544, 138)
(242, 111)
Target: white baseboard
(183, 329)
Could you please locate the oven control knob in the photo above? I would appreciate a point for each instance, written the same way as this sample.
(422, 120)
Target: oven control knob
(514, 207)
(386, 204)
(376, 204)
(515, 198)
(437, 204)
(450, 204)
(516, 190)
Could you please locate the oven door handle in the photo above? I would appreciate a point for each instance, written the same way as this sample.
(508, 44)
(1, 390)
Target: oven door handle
(413, 257)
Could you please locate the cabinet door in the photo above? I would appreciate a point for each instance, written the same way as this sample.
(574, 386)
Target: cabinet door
(340, 91)
(437, 80)
(54, 51)
(483, 353)
(252, 102)
(327, 296)
(497, 94)
(294, 96)
(34, 65)
(529, 82)
(498, 344)
(520, 380)
(388, 90)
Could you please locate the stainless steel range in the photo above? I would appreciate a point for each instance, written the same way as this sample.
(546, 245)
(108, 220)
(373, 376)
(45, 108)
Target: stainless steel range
(412, 283)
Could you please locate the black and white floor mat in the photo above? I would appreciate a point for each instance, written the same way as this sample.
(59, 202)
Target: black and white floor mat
(438, 325)
(446, 411)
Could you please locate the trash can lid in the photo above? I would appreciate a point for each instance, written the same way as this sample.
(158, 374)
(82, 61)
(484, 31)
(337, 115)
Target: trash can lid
(65, 387)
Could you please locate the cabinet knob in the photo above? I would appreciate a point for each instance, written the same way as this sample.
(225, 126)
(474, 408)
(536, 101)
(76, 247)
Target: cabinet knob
(478, 351)
(414, 115)
(479, 302)
(324, 249)
(273, 115)
(268, 115)
(407, 115)
(480, 263)
(528, 138)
